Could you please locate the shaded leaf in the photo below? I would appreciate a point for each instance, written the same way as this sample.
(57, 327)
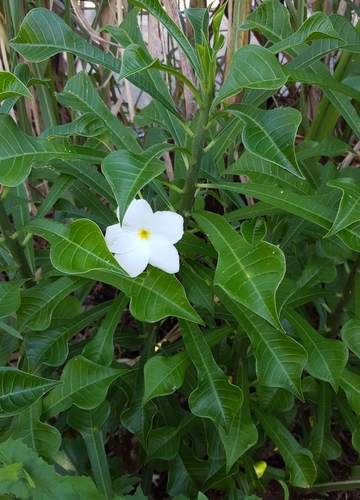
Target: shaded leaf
(349, 208)
(10, 297)
(327, 357)
(84, 383)
(19, 390)
(214, 397)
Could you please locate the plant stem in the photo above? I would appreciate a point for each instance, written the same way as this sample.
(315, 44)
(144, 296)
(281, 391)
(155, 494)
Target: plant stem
(16, 250)
(335, 317)
(197, 152)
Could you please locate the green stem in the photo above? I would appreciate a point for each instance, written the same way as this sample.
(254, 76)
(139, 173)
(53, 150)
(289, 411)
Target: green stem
(197, 152)
(16, 250)
(335, 317)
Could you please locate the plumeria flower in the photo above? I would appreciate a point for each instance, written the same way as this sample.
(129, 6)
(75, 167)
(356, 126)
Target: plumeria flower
(145, 238)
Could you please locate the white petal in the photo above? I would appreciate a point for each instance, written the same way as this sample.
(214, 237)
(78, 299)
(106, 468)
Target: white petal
(119, 241)
(166, 224)
(135, 261)
(163, 254)
(138, 212)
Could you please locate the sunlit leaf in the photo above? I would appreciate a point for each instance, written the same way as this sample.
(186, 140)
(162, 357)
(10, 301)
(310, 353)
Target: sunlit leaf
(249, 274)
(10, 86)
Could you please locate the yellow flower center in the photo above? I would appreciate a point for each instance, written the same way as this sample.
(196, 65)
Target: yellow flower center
(144, 234)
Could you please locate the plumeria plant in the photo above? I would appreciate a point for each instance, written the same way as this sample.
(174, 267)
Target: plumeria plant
(180, 302)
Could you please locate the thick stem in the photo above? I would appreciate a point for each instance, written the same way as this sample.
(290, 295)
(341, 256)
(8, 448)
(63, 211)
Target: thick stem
(197, 151)
(335, 317)
(16, 250)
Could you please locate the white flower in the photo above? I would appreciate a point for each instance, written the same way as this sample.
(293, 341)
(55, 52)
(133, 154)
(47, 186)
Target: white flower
(146, 238)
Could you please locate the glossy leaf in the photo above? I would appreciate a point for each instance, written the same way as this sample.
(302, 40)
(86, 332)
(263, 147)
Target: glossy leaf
(84, 383)
(9, 297)
(127, 173)
(80, 94)
(350, 335)
(19, 151)
(37, 303)
(327, 357)
(275, 398)
(249, 274)
(270, 134)
(86, 125)
(317, 26)
(51, 346)
(350, 382)
(298, 460)
(11, 86)
(349, 208)
(82, 250)
(19, 390)
(252, 67)
(164, 375)
(135, 60)
(164, 443)
(40, 437)
(101, 348)
(280, 360)
(44, 34)
(215, 397)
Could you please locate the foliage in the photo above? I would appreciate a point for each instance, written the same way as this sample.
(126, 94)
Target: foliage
(253, 345)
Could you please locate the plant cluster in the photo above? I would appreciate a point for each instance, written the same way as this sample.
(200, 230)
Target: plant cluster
(242, 367)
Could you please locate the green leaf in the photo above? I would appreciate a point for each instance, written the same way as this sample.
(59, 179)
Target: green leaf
(101, 348)
(254, 231)
(349, 208)
(275, 398)
(280, 360)
(84, 383)
(317, 26)
(44, 34)
(19, 390)
(187, 473)
(199, 19)
(51, 346)
(10, 86)
(250, 275)
(19, 151)
(215, 397)
(271, 18)
(37, 480)
(90, 423)
(163, 443)
(135, 60)
(298, 460)
(322, 444)
(10, 297)
(86, 125)
(37, 303)
(350, 335)
(127, 173)
(243, 433)
(330, 146)
(40, 437)
(154, 7)
(327, 357)
(270, 134)
(252, 67)
(82, 250)
(197, 290)
(164, 375)
(350, 382)
(80, 94)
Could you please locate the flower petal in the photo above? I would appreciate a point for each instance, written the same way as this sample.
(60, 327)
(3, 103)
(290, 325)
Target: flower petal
(138, 212)
(166, 224)
(120, 241)
(135, 261)
(163, 254)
